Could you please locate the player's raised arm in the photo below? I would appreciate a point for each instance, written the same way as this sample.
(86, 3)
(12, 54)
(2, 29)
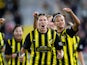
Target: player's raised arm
(75, 18)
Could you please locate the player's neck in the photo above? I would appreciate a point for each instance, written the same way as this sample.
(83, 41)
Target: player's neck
(42, 31)
(18, 40)
(60, 30)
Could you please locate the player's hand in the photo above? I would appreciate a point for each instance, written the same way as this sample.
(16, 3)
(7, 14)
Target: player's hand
(68, 10)
(21, 57)
(14, 55)
(2, 20)
(35, 14)
(60, 54)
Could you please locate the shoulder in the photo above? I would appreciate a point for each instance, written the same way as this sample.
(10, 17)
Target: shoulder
(32, 31)
(70, 32)
(29, 34)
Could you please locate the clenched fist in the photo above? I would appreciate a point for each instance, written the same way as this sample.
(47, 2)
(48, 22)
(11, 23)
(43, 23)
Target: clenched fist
(2, 20)
(68, 10)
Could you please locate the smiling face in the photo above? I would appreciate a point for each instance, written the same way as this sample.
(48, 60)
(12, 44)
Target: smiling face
(18, 32)
(59, 21)
(42, 23)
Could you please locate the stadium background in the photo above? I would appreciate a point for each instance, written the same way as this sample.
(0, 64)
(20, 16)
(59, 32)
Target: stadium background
(21, 12)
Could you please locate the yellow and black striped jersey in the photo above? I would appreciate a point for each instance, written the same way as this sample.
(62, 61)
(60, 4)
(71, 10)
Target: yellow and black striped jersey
(12, 46)
(43, 47)
(1, 46)
(77, 47)
(1, 41)
(66, 38)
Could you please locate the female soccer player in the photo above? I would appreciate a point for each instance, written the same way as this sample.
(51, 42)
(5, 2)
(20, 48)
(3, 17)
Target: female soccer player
(13, 47)
(44, 43)
(66, 34)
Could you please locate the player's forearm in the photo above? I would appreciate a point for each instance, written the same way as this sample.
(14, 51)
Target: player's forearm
(80, 57)
(35, 22)
(75, 18)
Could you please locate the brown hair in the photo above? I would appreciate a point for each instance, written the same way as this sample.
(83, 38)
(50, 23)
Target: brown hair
(41, 14)
(18, 25)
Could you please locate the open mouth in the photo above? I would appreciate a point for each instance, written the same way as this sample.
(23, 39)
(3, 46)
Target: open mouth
(43, 26)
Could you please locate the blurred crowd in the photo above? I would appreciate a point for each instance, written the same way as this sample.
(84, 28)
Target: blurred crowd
(9, 9)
